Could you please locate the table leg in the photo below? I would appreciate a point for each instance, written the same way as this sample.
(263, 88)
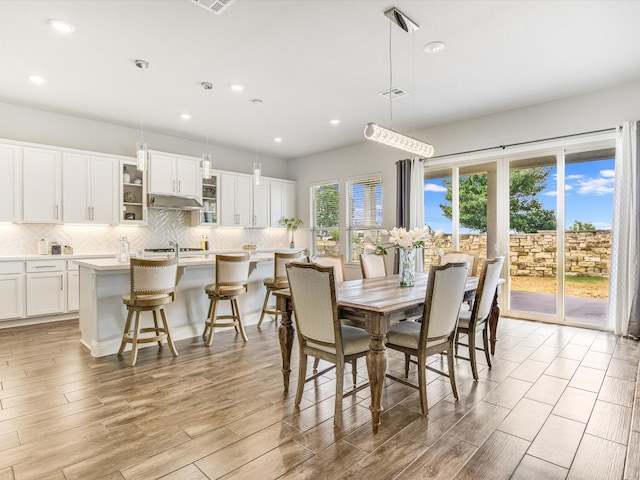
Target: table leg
(494, 316)
(285, 335)
(376, 368)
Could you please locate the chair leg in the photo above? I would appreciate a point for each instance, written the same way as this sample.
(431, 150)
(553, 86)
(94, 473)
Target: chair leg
(209, 317)
(316, 362)
(172, 347)
(422, 384)
(472, 353)
(354, 371)
(211, 327)
(452, 370)
(264, 306)
(238, 316)
(127, 329)
(337, 414)
(407, 359)
(302, 375)
(155, 323)
(136, 334)
(485, 342)
(456, 342)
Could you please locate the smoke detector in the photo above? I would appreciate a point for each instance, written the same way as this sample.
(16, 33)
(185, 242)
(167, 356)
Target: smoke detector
(215, 6)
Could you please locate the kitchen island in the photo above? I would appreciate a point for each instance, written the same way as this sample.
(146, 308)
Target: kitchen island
(104, 281)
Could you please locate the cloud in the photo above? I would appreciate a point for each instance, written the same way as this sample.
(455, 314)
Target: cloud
(574, 177)
(550, 193)
(432, 187)
(602, 225)
(568, 187)
(595, 186)
(608, 173)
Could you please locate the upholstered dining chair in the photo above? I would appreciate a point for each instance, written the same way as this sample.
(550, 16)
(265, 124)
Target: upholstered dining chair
(319, 330)
(232, 276)
(278, 281)
(372, 265)
(437, 330)
(153, 285)
(470, 321)
(453, 256)
(335, 261)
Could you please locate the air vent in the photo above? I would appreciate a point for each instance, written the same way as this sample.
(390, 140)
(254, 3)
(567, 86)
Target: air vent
(393, 93)
(215, 6)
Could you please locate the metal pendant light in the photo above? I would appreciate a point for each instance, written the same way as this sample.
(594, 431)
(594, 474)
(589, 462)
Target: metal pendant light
(206, 156)
(257, 166)
(142, 152)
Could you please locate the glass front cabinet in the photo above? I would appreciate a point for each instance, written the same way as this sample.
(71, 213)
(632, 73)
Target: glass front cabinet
(134, 194)
(209, 213)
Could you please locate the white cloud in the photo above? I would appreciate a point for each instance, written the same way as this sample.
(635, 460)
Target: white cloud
(568, 187)
(602, 225)
(550, 193)
(574, 177)
(432, 187)
(596, 186)
(608, 173)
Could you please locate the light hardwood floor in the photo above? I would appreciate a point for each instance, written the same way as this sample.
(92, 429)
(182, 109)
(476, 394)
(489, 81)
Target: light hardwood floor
(560, 402)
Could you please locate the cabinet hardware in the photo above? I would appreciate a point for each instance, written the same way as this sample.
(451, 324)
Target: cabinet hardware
(61, 283)
(178, 186)
(44, 266)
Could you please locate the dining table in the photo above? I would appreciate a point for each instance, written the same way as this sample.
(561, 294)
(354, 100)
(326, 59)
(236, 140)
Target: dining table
(376, 303)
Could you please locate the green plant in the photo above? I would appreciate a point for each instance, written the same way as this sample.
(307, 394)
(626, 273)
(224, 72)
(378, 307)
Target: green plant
(292, 223)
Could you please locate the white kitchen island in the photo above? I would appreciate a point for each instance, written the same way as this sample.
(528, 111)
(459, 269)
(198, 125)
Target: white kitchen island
(104, 281)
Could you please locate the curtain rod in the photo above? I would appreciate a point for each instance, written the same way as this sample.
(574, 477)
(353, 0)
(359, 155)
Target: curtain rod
(503, 147)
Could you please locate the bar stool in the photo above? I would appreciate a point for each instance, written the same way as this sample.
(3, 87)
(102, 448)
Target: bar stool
(232, 276)
(153, 285)
(278, 281)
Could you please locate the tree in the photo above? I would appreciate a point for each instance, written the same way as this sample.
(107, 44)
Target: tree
(580, 226)
(326, 200)
(526, 212)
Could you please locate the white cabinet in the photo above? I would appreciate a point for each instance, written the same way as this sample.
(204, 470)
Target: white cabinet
(236, 200)
(90, 189)
(46, 287)
(133, 194)
(174, 175)
(209, 214)
(261, 203)
(41, 187)
(283, 201)
(11, 290)
(10, 156)
(73, 287)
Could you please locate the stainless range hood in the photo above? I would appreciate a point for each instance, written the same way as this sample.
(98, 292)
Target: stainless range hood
(173, 202)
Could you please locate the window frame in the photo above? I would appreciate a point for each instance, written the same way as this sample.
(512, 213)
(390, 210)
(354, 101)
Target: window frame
(350, 255)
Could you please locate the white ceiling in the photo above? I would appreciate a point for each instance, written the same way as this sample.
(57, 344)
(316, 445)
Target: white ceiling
(309, 61)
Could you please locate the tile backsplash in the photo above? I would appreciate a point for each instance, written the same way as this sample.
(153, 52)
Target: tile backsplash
(163, 226)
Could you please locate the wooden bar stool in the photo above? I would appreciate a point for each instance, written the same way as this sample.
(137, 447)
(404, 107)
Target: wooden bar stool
(153, 285)
(278, 281)
(232, 276)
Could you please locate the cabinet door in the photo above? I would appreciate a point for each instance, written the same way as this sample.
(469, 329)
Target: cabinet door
(275, 193)
(228, 200)
(289, 200)
(41, 186)
(45, 293)
(104, 190)
(73, 291)
(188, 177)
(75, 188)
(162, 170)
(261, 204)
(244, 200)
(9, 183)
(11, 296)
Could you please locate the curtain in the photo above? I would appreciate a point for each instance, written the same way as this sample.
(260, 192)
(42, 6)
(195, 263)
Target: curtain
(624, 281)
(403, 199)
(416, 209)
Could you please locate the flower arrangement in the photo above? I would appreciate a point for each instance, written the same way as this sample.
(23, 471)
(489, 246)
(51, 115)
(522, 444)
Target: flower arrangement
(408, 239)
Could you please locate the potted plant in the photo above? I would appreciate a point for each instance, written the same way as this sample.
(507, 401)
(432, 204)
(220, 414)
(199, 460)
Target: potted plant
(292, 225)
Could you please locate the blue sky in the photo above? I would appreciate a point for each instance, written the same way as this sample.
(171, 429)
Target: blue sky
(588, 196)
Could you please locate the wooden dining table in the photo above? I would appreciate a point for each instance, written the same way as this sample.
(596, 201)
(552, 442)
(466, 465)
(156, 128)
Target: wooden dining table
(377, 303)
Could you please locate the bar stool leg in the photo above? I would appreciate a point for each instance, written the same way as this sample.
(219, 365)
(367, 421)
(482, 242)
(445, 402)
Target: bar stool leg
(172, 347)
(210, 326)
(264, 306)
(209, 317)
(234, 302)
(155, 323)
(127, 328)
(136, 333)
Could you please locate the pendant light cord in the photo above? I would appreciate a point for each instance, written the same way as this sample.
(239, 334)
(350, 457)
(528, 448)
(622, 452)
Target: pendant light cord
(141, 95)
(390, 80)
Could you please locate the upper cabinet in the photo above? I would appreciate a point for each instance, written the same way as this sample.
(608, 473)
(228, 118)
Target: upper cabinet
(209, 213)
(236, 200)
(90, 187)
(10, 156)
(261, 203)
(173, 175)
(283, 201)
(41, 186)
(133, 194)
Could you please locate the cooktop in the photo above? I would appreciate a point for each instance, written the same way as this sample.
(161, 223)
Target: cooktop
(182, 249)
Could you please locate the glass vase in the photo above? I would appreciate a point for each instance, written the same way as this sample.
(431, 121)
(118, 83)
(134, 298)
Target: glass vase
(407, 266)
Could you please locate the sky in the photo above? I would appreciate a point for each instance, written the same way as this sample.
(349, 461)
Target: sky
(588, 196)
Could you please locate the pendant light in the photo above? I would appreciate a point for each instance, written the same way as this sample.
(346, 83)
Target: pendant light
(257, 166)
(142, 152)
(387, 136)
(206, 156)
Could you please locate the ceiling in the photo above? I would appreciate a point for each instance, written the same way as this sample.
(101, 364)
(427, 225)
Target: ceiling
(309, 62)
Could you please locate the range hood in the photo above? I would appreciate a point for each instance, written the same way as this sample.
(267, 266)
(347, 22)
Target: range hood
(173, 202)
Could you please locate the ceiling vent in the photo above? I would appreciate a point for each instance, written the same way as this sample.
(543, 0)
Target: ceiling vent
(393, 93)
(215, 6)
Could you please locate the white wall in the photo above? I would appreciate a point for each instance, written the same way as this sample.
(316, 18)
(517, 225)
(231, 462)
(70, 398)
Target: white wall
(581, 113)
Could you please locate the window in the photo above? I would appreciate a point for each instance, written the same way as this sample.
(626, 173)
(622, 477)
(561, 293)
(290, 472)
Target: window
(364, 218)
(325, 219)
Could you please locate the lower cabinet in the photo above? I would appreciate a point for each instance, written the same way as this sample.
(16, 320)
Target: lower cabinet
(11, 290)
(46, 287)
(73, 287)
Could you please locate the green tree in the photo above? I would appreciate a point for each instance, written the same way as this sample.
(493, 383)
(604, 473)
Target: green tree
(326, 199)
(526, 212)
(580, 226)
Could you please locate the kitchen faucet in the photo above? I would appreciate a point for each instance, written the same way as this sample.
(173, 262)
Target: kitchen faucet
(175, 246)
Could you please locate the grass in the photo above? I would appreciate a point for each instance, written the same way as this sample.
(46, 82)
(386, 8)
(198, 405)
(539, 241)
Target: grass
(581, 287)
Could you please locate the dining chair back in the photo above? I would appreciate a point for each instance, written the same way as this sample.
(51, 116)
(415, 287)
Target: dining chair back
(335, 261)
(152, 286)
(278, 281)
(372, 265)
(320, 331)
(471, 321)
(458, 256)
(436, 332)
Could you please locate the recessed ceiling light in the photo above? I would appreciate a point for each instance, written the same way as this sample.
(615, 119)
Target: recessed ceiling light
(335, 121)
(277, 140)
(236, 87)
(185, 116)
(60, 26)
(434, 47)
(37, 79)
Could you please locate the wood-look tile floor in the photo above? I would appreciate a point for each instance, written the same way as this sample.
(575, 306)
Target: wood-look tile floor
(559, 402)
